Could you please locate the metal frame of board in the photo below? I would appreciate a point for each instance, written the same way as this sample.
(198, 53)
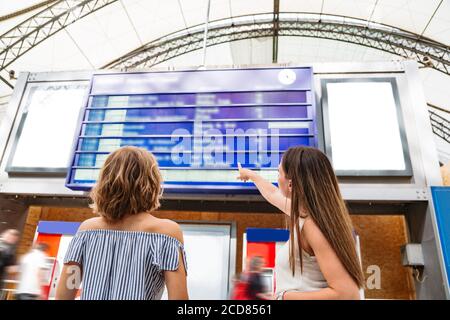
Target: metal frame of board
(423, 160)
(60, 171)
(186, 187)
(407, 172)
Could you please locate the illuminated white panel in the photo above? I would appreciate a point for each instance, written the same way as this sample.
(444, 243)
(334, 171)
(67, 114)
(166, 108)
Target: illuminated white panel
(87, 174)
(213, 175)
(288, 125)
(112, 130)
(182, 175)
(115, 115)
(108, 145)
(364, 128)
(208, 252)
(51, 112)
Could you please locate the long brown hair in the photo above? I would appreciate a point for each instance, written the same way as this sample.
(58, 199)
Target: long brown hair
(316, 190)
(129, 183)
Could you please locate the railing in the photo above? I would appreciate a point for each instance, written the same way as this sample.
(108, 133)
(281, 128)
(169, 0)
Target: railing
(440, 125)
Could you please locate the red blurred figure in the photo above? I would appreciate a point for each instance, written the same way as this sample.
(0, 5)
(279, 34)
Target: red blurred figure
(250, 285)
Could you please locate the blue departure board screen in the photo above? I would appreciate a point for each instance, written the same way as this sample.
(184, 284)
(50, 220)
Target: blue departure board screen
(198, 124)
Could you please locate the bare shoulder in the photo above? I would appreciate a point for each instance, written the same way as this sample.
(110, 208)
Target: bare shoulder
(170, 228)
(310, 225)
(312, 232)
(92, 223)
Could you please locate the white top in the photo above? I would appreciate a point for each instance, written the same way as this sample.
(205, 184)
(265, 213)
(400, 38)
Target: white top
(30, 265)
(311, 279)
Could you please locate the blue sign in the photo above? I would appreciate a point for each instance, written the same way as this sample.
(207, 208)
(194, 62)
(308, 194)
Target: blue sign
(58, 227)
(441, 202)
(196, 121)
(267, 235)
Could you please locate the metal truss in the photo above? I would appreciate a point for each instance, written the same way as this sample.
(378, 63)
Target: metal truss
(405, 44)
(440, 126)
(29, 33)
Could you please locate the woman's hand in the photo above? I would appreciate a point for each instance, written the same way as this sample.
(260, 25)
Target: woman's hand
(266, 188)
(245, 174)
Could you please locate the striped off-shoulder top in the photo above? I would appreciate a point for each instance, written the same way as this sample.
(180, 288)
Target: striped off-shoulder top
(123, 265)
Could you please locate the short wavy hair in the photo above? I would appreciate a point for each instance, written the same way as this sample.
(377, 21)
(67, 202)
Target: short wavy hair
(129, 183)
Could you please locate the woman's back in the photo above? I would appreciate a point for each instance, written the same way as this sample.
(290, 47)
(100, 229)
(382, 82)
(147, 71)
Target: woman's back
(125, 260)
(126, 253)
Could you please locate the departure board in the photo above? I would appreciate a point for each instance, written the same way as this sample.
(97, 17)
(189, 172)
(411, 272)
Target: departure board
(199, 124)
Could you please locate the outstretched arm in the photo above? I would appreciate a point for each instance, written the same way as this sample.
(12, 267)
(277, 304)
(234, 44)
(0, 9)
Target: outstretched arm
(271, 193)
(176, 280)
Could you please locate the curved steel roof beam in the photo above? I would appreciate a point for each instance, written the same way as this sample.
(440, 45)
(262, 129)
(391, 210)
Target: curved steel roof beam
(377, 36)
(44, 24)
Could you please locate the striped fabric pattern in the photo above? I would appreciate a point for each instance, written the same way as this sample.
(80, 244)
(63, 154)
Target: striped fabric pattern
(124, 265)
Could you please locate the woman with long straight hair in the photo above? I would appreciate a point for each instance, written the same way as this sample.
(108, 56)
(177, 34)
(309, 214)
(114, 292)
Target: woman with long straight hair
(126, 253)
(320, 260)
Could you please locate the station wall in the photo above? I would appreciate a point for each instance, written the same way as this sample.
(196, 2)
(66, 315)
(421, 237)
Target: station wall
(381, 237)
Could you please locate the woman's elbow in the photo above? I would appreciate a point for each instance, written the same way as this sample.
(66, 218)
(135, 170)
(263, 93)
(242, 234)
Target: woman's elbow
(178, 296)
(348, 293)
(353, 295)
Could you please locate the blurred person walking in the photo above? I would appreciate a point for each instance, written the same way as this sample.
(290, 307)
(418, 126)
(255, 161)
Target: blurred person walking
(126, 253)
(32, 271)
(250, 285)
(8, 242)
(256, 288)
